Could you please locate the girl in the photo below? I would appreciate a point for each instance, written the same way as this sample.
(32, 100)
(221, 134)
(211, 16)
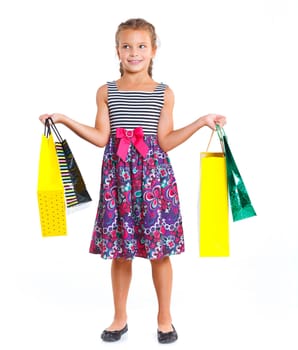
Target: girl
(138, 213)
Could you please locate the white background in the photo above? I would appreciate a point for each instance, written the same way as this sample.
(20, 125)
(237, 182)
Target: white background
(236, 58)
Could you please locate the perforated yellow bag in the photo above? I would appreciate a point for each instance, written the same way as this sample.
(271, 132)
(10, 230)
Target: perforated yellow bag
(50, 190)
(214, 209)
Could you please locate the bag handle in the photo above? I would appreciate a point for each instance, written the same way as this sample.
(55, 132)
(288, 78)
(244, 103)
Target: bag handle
(221, 134)
(47, 128)
(54, 128)
(211, 136)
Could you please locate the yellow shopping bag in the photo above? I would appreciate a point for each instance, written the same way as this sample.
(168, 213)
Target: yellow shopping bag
(214, 209)
(50, 190)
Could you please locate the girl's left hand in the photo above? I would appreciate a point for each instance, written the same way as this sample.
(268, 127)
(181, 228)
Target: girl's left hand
(212, 119)
(56, 117)
(44, 117)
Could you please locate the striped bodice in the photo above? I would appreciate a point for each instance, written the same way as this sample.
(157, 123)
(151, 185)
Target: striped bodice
(132, 109)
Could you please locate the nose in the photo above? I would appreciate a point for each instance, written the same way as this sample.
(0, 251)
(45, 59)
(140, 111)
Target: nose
(133, 51)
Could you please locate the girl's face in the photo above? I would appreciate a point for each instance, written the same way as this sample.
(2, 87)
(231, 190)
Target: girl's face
(135, 50)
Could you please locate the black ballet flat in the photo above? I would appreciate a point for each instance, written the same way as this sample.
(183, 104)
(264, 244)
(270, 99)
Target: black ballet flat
(111, 336)
(167, 337)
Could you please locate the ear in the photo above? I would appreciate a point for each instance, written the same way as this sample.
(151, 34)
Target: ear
(117, 51)
(154, 49)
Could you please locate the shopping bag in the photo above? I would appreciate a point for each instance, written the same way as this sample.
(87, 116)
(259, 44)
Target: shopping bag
(74, 186)
(214, 209)
(50, 191)
(240, 202)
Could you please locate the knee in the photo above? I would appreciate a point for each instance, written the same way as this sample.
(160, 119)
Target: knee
(162, 261)
(122, 262)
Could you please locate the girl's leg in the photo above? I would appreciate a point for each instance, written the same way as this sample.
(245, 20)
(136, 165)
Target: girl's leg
(121, 272)
(162, 278)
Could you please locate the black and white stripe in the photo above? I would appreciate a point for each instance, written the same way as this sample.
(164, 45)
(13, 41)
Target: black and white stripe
(132, 109)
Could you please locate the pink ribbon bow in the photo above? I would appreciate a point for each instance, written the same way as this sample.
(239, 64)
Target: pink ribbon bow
(136, 137)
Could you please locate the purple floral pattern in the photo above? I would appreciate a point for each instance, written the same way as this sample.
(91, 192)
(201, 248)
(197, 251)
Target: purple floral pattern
(138, 213)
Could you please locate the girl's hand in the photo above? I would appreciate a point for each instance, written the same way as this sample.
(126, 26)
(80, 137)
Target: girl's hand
(56, 117)
(211, 120)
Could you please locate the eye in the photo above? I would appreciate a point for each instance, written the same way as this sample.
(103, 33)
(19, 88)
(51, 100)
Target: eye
(142, 46)
(125, 46)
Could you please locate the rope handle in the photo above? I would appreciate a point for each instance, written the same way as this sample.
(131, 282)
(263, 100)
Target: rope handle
(211, 136)
(221, 133)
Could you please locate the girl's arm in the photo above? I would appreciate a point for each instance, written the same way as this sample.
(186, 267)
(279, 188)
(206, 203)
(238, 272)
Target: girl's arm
(97, 135)
(169, 138)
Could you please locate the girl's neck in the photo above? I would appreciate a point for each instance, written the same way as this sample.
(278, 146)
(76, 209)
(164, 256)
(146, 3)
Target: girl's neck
(136, 82)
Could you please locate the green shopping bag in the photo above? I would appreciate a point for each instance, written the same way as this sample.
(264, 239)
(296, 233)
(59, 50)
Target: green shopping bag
(240, 203)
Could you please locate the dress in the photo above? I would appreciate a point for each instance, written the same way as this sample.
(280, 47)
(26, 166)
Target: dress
(138, 213)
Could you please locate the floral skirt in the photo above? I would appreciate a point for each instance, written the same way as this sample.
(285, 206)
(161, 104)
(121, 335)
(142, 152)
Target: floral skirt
(138, 213)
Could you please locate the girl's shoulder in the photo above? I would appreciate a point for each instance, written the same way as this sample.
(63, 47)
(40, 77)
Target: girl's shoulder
(169, 97)
(103, 88)
(102, 92)
(168, 91)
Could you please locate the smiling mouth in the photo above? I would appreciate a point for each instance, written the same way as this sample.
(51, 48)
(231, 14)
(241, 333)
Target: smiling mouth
(134, 61)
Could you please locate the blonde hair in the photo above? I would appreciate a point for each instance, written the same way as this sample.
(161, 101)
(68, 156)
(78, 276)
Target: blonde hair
(136, 24)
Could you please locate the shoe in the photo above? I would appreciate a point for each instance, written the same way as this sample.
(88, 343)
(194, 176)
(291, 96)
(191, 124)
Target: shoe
(111, 336)
(167, 337)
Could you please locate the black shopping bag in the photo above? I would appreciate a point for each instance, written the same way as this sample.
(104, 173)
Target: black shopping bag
(74, 186)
